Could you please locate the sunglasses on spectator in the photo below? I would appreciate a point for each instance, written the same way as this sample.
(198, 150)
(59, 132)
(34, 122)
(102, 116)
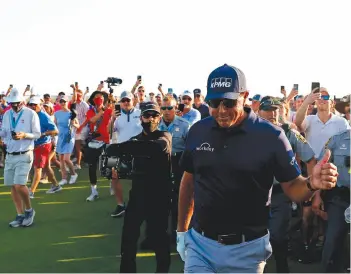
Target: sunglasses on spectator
(167, 108)
(32, 105)
(186, 98)
(125, 100)
(325, 97)
(228, 103)
(148, 115)
(62, 101)
(197, 95)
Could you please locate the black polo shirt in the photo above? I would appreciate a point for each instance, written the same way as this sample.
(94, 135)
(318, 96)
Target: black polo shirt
(233, 171)
(155, 171)
(203, 109)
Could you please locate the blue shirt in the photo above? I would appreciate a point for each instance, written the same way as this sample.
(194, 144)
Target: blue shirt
(46, 124)
(339, 146)
(192, 116)
(233, 171)
(179, 130)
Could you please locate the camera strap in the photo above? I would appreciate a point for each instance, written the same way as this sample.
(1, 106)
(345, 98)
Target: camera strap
(98, 122)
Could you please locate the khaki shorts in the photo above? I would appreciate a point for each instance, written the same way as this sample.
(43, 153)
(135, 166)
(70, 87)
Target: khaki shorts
(17, 168)
(83, 135)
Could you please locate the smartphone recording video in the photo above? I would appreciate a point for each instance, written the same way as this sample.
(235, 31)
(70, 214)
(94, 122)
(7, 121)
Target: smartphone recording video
(314, 86)
(296, 87)
(117, 109)
(181, 107)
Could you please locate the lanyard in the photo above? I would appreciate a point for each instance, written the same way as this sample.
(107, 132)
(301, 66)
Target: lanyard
(13, 121)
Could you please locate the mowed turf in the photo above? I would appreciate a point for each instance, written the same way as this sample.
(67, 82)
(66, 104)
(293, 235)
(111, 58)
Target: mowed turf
(71, 235)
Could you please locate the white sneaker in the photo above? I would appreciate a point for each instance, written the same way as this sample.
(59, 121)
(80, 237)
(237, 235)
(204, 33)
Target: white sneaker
(63, 182)
(93, 197)
(74, 160)
(77, 167)
(73, 179)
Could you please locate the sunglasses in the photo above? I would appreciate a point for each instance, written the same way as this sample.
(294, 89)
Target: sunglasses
(167, 108)
(62, 101)
(186, 98)
(197, 95)
(153, 115)
(32, 105)
(228, 103)
(325, 97)
(125, 101)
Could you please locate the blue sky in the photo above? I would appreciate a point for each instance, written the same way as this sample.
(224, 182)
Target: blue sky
(51, 44)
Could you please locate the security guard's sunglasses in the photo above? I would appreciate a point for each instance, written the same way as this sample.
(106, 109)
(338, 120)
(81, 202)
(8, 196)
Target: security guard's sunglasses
(167, 108)
(228, 103)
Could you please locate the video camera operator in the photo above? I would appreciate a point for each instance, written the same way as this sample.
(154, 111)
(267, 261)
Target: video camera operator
(98, 118)
(150, 196)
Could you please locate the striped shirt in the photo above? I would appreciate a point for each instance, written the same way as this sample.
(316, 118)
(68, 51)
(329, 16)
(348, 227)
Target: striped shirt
(82, 109)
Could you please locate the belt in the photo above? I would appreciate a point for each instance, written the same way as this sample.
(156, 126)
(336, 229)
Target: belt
(18, 153)
(233, 237)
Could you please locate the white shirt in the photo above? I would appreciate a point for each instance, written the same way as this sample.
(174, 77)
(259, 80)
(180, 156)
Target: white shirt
(82, 109)
(28, 123)
(318, 133)
(128, 125)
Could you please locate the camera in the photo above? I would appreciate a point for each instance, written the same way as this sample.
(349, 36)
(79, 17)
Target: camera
(113, 81)
(123, 166)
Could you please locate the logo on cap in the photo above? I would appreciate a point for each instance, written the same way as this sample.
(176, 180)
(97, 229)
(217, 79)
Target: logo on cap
(221, 82)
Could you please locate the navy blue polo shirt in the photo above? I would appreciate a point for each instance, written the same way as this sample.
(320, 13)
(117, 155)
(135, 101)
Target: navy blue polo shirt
(203, 109)
(233, 171)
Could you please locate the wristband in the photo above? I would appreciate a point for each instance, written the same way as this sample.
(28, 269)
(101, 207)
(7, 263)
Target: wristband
(308, 183)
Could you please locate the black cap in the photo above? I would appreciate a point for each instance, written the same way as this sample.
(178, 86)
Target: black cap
(269, 103)
(197, 91)
(61, 93)
(149, 106)
(47, 95)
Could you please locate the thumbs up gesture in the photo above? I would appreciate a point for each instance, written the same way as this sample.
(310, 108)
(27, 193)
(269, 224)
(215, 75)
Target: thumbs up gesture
(324, 174)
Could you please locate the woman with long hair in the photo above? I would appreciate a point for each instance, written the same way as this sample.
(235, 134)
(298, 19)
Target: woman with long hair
(65, 144)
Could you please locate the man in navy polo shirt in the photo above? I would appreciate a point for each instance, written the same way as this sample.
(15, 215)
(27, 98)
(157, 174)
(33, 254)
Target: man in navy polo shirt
(199, 104)
(230, 160)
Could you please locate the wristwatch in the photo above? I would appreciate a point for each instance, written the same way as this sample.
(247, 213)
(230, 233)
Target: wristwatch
(308, 183)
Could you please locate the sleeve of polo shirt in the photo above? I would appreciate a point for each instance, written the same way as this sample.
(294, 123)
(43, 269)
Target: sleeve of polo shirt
(330, 144)
(303, 148)
(186, 161)
(285, 167)
(35, 134)
(49, 123)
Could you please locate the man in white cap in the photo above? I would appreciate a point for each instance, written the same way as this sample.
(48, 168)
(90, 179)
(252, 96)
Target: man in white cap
(20, 128)
(188, 112)
(126, 126)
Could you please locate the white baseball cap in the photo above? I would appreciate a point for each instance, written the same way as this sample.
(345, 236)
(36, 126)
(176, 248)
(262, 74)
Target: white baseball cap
(35, 100)
(189, 94)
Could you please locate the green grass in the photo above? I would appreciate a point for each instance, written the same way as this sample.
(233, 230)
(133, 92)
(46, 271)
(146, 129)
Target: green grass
(69, 234)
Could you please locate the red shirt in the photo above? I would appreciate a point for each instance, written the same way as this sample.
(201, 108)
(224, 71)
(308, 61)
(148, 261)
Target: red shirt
(102, 129)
